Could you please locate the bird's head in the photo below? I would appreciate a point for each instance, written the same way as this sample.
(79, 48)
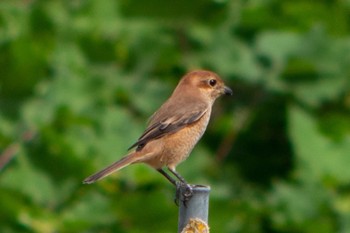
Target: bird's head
(207, 83)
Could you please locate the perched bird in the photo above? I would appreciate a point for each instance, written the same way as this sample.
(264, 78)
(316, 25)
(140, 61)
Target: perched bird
(175, 128)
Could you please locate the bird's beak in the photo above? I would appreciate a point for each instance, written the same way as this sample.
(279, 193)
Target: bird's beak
(227, 91)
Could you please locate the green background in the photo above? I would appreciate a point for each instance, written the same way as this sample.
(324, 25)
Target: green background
(79, 79)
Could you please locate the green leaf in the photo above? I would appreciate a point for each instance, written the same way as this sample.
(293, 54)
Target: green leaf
(26, 179)
(318, 157)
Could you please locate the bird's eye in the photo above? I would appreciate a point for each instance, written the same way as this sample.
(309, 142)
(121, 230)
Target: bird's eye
(212, 82)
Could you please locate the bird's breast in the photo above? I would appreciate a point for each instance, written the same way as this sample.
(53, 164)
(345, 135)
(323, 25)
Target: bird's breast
(179, 145)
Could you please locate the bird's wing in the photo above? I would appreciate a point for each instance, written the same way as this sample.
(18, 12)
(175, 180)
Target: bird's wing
(169, 125)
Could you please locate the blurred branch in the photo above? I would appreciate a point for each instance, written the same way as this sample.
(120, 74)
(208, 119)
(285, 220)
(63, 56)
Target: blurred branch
(241, 120)
(12, 149)
(8, 154)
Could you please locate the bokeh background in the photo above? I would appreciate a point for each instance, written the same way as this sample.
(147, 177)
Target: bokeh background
(79, 79)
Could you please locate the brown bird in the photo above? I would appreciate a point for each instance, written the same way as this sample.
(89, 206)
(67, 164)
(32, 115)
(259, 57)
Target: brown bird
(175, 128)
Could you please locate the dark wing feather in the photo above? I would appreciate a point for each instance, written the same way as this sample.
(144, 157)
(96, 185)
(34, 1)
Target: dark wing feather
(167, 126)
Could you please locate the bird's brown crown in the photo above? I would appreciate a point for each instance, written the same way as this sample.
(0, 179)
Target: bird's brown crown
(206, 82)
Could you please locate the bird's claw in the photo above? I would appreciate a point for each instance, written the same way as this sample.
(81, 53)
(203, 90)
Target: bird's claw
(186, 194)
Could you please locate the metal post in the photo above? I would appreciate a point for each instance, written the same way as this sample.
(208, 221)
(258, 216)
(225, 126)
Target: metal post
(197, 207)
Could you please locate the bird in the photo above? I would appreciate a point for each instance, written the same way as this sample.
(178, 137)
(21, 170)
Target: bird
(174, 129)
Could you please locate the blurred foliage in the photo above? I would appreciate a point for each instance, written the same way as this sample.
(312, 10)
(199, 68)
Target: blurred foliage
(78, 79)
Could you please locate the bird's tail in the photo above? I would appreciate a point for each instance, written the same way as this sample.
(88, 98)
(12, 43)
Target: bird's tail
(123, 162)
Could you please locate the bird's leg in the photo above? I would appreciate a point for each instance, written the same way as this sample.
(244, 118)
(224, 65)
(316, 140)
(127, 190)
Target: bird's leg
(188, 193)
(179, 184)
(174, 182)
(166, 175)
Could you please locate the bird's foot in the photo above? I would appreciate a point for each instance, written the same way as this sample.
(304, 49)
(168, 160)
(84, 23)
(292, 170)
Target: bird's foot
(186, 191)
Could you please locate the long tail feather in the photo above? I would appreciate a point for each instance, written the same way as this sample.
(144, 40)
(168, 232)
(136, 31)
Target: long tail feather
(111, 168)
